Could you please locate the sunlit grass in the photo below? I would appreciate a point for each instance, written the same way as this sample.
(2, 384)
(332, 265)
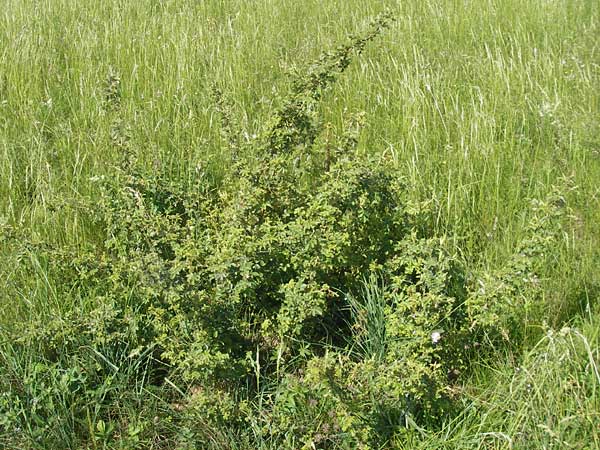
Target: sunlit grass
(480, 105)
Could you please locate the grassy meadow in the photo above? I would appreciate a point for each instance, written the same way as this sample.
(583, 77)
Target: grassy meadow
(487, 112)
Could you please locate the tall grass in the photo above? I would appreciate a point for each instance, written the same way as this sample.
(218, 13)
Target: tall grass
(546, 399)
(480, 105)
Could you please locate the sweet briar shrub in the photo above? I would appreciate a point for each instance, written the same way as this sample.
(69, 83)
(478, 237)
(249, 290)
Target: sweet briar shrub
(302, 297)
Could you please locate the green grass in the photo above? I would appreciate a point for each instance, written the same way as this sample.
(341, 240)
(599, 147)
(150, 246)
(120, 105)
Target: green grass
(480, 105)
(546, 399)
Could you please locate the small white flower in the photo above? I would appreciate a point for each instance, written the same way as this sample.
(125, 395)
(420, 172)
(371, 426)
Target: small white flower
(436, 336)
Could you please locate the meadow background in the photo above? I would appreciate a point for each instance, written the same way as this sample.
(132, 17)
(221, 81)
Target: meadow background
(480, 105)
